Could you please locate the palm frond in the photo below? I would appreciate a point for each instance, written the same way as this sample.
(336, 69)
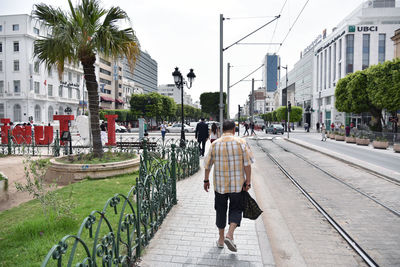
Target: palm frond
(48, 15)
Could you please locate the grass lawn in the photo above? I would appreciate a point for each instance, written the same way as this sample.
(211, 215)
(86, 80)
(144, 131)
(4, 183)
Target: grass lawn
(26, 235)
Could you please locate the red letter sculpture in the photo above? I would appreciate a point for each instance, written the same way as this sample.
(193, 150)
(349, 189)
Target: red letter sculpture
(64, 119)
(22, 134)
(48, 135)
(111, 129)
(4, 131)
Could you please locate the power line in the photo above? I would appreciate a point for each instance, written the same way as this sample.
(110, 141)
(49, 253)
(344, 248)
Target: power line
(263, 17)
(247, 76)
(293, 24)
(276, 24)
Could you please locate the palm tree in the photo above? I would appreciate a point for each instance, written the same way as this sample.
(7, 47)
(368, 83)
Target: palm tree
(77, 36)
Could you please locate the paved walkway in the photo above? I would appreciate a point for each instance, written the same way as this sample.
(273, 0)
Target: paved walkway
(188, 235)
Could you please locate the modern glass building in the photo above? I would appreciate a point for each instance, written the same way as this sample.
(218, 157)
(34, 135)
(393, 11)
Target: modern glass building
(145, 73)
(270, 72)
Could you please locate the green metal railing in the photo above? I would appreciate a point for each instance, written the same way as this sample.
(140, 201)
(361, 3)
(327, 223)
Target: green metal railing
(119, 232)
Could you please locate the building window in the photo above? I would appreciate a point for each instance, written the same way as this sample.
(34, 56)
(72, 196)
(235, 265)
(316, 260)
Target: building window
(50, 72)
(38, 113)
(70, 76)
(16, 46)
(329, 66)
(105, 71)
(78, 79)
(50, 90)
(36, 67)
(17, 112)
(1, 28)
(105, 81)
(365, 51)
(69, 92)
(15, 27)
(60, 91)
(60, 111)
(17, 86)
(35, 30)
(381, 49)
(328, 100)
(37, 87)
(16, 65)
(334, 62)
(1, 47)
(1, 110)
(50, 113)
(340, 49)
(349, 53)
(1, 87)
(78, 94)
(1, 65)
(105, 62)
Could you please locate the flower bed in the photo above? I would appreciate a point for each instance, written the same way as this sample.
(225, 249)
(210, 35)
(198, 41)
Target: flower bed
(362, 141)
(339, 137)
(396, 148)
(380, 144)
(350, 139)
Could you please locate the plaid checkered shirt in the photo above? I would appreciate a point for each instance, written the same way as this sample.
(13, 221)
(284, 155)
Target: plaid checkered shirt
(229, 154)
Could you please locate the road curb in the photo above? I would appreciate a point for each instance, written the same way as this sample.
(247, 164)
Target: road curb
(376, 170)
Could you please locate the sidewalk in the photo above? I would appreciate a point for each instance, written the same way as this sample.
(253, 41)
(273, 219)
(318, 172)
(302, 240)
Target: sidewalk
(188, 235)
(313, 142)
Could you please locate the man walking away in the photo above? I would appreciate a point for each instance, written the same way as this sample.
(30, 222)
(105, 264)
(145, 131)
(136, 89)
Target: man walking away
(317, 127)
(163, 129)
(246, 127)
(252, 128)
(201, 134)
(232, 159)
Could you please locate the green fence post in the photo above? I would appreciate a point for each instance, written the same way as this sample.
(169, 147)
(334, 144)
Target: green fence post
(56, 145)
(138, 232)
(173, 174)
(9, 142)
(145, 155)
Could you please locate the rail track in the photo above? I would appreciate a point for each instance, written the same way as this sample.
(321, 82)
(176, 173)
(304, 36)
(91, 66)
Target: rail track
(346, 236)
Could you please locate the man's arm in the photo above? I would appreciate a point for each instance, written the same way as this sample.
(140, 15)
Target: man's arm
(206, 178)
(247, 171)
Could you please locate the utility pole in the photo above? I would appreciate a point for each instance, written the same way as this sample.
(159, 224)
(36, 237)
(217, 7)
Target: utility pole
(289, 109)
(221, 69)
(252, 101)
(227, 90)
(239, 108)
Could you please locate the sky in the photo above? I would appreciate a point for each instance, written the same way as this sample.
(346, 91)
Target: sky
(185, 34)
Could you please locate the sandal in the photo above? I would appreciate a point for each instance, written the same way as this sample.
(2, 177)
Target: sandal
(229, 243)
(219, 245)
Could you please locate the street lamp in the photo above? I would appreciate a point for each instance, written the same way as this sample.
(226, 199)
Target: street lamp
(179, 82)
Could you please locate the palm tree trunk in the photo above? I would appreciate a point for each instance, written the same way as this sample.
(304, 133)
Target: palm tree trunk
(91, 85)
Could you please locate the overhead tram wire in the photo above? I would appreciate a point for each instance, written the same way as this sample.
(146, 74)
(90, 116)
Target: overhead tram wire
(261, 17)
(246, 76)
(276, 24)
(301, 11)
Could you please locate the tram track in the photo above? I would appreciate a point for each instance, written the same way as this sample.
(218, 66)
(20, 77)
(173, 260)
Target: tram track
(346, 236)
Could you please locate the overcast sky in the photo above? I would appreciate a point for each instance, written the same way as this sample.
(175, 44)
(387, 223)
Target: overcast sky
(185, 33)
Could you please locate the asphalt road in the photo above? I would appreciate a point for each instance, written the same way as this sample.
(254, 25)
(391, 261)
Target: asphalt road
(386, 159)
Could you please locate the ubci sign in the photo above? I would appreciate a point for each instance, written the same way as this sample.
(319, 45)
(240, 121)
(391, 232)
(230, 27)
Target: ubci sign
(353, 28)
(44, 134)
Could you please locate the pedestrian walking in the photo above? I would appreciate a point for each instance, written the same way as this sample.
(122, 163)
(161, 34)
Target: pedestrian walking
(332, 127)
(317, 127)
(323, 132)
(214, 135)
(305, 126)
(252, 128)
(202, 134)
(163, 129)
(246, 127)
(232, 159)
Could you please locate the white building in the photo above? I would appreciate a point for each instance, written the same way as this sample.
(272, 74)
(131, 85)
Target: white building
(172, 91)
(360, 40)
(27, 89)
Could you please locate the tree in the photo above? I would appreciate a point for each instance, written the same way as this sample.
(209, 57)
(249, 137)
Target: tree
(210, 103)
(77, 36)
(295, 115)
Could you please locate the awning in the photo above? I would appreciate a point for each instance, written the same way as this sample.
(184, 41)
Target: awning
(119, 101)
(106, 99)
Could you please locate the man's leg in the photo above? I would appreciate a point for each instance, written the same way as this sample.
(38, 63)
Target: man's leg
(221, 206)
(235, 213)
(203, 142)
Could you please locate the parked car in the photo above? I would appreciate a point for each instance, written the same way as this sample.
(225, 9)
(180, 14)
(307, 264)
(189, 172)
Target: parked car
(209, 123)
(176, 128)
(120, 128)
(274, 129)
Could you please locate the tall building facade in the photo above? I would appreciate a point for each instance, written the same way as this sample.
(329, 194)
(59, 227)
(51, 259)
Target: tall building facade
(270, 72)
(29, 91)
(145, 73)
(174, 92)
(362, 39)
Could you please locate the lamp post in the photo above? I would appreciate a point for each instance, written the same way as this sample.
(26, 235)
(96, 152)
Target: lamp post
(179, 82)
